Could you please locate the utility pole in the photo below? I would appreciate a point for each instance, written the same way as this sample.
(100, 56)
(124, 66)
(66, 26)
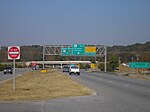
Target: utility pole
(137, 57)
(132, 58)
(119, 61)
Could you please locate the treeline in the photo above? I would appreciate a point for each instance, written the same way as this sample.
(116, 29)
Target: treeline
(135, 52)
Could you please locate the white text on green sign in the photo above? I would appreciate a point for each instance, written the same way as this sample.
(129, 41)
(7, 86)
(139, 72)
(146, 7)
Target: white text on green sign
(66, 51)
(139, 65)
(78, 49)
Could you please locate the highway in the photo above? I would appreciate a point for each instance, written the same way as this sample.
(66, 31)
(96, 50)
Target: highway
(113, 94)
(8, 76)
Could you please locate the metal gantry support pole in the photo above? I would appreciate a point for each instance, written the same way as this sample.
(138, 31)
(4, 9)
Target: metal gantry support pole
(105, 59)
(43, 56)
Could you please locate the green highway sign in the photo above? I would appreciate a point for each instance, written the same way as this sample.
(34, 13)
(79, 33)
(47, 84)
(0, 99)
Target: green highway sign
(78, 49)
(66, 51)
(139, 65)
(90, 54)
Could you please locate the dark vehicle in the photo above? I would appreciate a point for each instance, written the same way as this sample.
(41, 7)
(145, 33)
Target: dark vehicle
(36, 67)
(65, 69)
(8, 70)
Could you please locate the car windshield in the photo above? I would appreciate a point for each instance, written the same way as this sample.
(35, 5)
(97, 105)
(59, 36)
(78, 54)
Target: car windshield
(66, 67)
(8, 68)
(74, 67)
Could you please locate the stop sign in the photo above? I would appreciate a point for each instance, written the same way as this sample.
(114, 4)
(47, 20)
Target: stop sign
(14, 52)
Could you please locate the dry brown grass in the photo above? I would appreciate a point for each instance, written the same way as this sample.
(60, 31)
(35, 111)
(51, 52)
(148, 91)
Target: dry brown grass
(39, 86)
(137, 72)
(124, 69)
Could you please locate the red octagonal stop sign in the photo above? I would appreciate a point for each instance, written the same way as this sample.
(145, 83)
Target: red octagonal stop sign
(14, 52)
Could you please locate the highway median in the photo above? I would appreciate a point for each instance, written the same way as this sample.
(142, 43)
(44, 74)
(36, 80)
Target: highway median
(42, 86)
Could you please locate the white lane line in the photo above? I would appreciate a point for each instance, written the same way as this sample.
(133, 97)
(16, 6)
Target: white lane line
(101, 78)
(126, 85)
(110, 81)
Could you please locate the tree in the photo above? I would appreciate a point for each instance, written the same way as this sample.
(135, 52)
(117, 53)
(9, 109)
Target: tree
(101, 67)
(114, 62)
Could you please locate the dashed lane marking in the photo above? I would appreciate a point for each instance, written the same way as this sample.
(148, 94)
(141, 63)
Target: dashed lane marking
(110, 81)
(126, 85)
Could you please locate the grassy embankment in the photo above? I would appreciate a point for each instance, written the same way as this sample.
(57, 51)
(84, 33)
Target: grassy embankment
(39, 86)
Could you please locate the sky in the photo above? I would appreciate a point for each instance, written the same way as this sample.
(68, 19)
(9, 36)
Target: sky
(59, 22)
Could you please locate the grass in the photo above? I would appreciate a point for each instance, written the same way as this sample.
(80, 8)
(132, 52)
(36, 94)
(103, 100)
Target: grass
(137, 72)
(39, 86)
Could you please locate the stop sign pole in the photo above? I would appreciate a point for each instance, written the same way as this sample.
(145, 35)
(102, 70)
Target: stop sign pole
(13, 54)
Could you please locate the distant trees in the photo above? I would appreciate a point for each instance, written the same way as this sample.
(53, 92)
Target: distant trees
(126, 54)
(129, 53)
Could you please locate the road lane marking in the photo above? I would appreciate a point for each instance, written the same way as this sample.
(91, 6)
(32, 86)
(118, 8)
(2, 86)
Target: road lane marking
(110, 81)
(126, 85)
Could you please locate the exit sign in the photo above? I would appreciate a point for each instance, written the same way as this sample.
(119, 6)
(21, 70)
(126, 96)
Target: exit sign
(66, 51)
(139, 65)
(78, 49)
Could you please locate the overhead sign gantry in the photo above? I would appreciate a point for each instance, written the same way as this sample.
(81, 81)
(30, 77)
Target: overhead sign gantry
(76, 50)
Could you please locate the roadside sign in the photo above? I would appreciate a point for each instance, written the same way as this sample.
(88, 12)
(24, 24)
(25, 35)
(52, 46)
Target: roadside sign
(139, 65)
(92, 65)
(90, 50)
(78, 49)
(14, 52)
(66, 51)
(27, 64)
(33, 63)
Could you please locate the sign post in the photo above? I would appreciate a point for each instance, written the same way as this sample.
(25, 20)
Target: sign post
(14, 76)
(13, 54)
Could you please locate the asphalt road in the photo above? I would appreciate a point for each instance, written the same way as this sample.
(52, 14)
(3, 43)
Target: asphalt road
(8, 76)
(114, 94)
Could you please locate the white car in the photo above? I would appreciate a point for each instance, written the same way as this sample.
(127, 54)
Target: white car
(74, 70)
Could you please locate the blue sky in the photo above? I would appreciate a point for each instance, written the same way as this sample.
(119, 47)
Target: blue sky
(48, 22)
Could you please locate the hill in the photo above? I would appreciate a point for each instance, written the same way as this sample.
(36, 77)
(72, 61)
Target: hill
(135, 52)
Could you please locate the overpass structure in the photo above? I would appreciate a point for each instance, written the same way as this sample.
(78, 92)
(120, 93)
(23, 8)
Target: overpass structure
(58, 62)
(101, 51)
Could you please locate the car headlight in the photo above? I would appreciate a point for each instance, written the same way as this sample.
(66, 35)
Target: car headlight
(4, 70)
